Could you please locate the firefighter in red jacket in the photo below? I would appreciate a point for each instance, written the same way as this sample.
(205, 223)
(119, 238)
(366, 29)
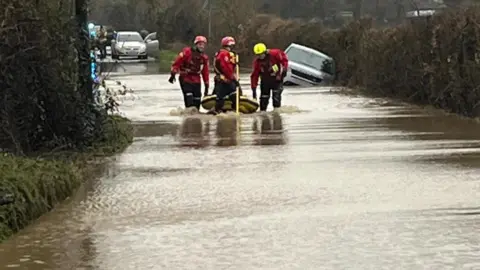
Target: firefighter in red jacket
(190, 63)
(271, 65)
(226, 81)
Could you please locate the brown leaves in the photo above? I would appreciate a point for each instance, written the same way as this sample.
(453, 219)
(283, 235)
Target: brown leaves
(430, 61)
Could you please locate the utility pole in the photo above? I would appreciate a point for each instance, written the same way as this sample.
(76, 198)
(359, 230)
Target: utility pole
(209, 19)
(83, 48)
(208, 4)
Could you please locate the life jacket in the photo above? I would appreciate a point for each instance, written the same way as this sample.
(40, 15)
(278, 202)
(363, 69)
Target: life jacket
(193, 62)
(265, 66)
(219, 73)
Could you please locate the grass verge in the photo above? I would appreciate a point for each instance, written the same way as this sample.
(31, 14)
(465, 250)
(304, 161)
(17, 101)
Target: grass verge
(39, 183)
(165, 60)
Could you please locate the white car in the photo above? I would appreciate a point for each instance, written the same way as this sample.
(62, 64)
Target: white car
(308, 67)
(129, 44)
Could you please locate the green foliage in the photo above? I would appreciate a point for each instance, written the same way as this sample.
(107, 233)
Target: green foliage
(432, 61)
(118, 134)
(44, 104)
(49, 126)
(39, 183)
(165, 59)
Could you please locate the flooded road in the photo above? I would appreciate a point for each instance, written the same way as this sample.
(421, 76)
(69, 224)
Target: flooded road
(340, 183)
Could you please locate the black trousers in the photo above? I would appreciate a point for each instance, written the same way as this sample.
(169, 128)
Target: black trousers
(192, 94)
(102, 47)
(225, 90)
(273, 89)
(215, 87)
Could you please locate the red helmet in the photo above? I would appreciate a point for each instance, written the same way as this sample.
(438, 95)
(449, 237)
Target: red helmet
(228, 41)
(200, 39)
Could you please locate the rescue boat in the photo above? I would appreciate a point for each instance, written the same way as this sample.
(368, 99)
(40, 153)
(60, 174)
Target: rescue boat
(247, 105)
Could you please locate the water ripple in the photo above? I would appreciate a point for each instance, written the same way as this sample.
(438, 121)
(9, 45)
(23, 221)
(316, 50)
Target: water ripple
(329, 182)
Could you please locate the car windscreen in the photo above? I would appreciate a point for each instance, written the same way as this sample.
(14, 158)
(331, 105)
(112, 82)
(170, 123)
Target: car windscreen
(129, 37)
(311, 59)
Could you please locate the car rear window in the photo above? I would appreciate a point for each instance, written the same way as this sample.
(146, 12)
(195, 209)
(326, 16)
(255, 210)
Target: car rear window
(129, 37)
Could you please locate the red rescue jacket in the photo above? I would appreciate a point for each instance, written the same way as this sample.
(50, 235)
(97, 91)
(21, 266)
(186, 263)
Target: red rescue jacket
(264, 67)
(190, 64)
(224, 64)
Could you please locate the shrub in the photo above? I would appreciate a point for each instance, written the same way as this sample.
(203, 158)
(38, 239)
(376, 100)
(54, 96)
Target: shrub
(427, 60)
(45, 103)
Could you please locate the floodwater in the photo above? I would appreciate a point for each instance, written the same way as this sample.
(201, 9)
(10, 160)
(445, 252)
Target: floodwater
(329, 182)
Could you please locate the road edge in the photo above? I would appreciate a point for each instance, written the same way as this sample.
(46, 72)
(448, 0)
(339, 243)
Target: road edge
(38, 184)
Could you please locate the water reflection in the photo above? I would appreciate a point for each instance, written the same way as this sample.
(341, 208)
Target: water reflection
(89, 251)
(269, 130)
(458, 139)
(227, 131)
(129, 66)
(433, 127)
(154, 128)
(160, 207)
(193, 134)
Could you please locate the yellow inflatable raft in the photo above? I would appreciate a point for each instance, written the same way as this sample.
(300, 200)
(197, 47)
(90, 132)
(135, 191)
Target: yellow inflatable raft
(247, 105)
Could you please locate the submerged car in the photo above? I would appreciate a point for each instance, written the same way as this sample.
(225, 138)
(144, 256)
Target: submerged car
(129, 44)
(308, 67)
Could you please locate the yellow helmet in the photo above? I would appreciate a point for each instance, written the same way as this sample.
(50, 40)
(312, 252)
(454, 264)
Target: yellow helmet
(259, 48)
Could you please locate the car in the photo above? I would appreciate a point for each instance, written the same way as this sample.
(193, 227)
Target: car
(129, 44)
(308, 67)
(152, 44)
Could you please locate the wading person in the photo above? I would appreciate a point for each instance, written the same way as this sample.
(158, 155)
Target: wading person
(191, 63)
(226, 81)
(102, 42)
(271, 66)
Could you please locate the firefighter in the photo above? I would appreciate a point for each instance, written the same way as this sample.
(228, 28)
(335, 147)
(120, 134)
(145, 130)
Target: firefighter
(190, 63)
(226, 81)
(271, 66)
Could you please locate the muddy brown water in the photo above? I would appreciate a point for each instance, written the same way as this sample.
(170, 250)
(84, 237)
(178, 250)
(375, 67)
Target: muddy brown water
(329, 182)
